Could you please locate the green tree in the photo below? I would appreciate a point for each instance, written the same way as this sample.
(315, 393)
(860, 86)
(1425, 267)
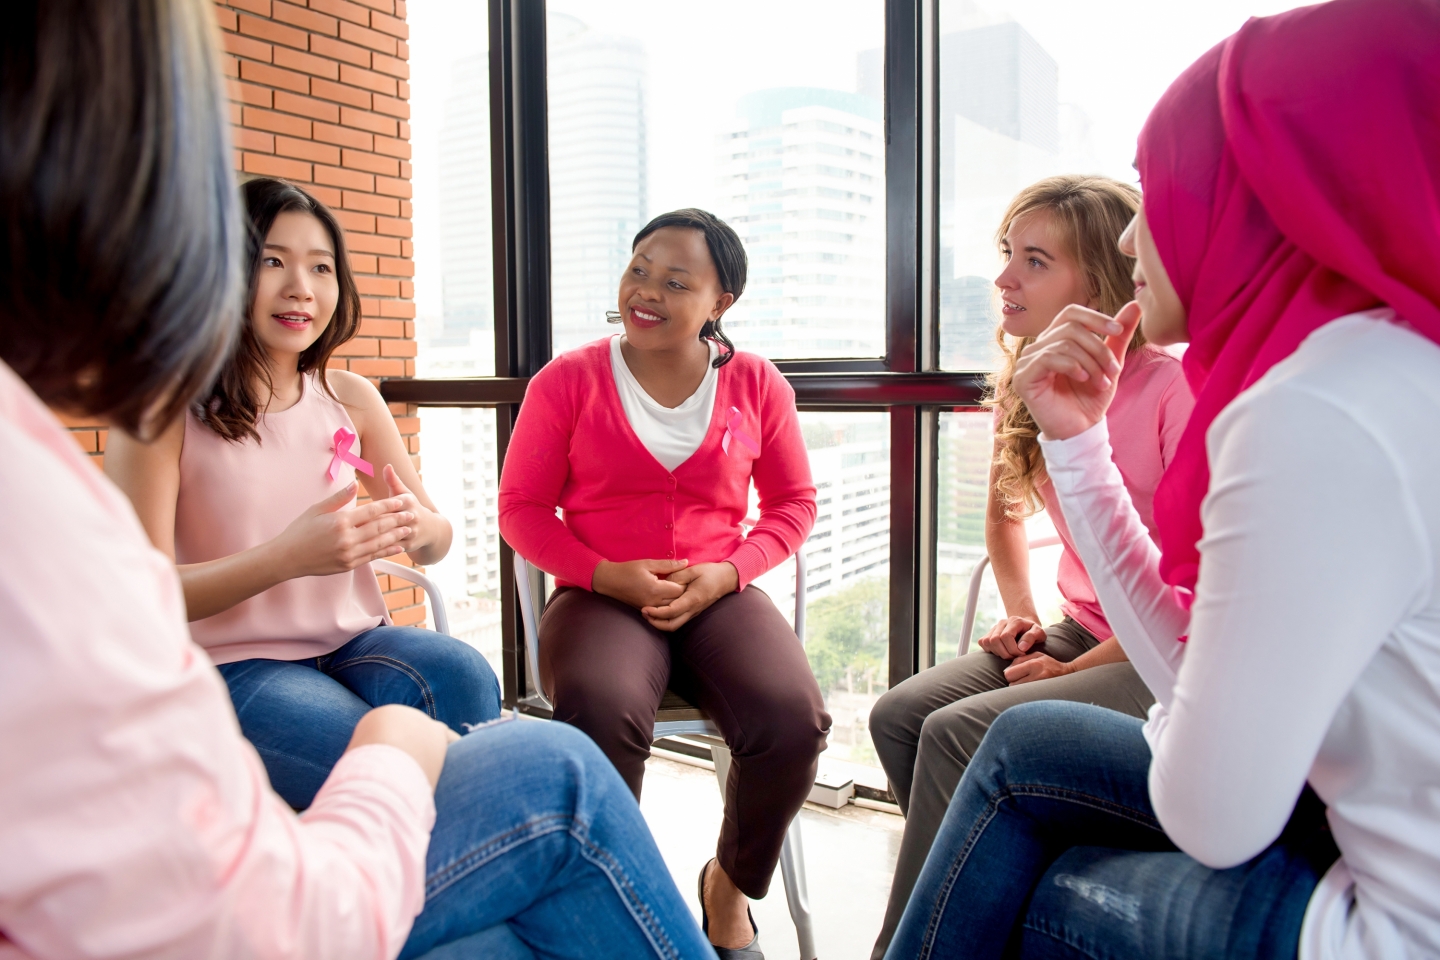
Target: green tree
(848, 636)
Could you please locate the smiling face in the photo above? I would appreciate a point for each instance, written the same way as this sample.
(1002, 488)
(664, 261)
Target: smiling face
(296, 288)
(1162, 315)
(669, 290)
(1040, 278)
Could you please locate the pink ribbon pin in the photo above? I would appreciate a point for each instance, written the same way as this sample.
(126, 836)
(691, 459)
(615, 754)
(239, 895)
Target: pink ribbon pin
(732, 429)
(345, 439)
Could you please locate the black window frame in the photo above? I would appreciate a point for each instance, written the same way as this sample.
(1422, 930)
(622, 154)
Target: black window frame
(906, 381)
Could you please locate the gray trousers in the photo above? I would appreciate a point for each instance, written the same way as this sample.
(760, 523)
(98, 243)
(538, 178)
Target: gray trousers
(927, 729)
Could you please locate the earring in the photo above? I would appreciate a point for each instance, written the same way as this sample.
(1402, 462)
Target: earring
(612, 316)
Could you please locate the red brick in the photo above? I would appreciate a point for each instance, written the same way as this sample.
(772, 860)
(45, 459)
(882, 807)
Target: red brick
(342, 9)
(404, 132)
(327, 195)
(342, 92)
(276, 122)
(229, 66)
(402, 50)
(396, 267)
(308, 19)
(361, 224)
(397, 348)
(256, 140)
(365, 37)
(391, 25)
(364, 263)
(393, 187)
(104, 436)
(378, 286)
(268, 166)
(410, 372)
(344, 136)
(306, 63)
(408, 617)
(350, 179)
(306, 106)
(394, 66)
(388, 6)
(392, 147)
(227, 19)
(412, 443)
(384, 104)
(402, 89)
(359, 160)
(370, 327)
(365, 120)
(261, 7)
(369, 307)
(340, 50)
(307, 150)
(237, 161)
(407, 424)
(407, 249)
(394, 228)
(246, 47)
(373, 243)
(407, 209)
(400, 408)
(359, 347)
(378, 368)
(267, 29)
(274, 76)
(87, 439)
(407, 172)
(253, 94)
(369, 79)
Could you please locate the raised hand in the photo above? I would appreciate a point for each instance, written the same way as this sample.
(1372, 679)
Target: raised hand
(703, 583)
(1012, 637)
(410, 504)
(333, 537)
(640, 583)
(1067, 377)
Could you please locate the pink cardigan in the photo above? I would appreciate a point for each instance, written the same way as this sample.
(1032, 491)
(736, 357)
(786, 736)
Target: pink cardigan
(574, 449)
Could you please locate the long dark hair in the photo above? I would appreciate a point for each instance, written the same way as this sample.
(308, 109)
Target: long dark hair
(120, 235)
(727, 253)
(232, 408)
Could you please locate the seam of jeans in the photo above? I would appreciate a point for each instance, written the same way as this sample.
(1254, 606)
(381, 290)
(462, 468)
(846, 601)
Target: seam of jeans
(542, 827)
(403, 667)
(992, 807)
(1062, 935)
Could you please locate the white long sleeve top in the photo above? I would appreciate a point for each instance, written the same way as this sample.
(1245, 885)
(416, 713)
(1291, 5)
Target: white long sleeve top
(1313, 647)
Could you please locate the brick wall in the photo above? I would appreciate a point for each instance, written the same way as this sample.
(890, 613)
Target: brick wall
(319, 96)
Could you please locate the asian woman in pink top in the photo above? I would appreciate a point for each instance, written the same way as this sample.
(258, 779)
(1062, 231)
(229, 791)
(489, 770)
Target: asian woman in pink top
(648, 442)
(253, 495)
(135, 820)
(1059, 243)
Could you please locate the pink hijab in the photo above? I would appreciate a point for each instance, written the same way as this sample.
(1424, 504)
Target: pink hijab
(1291, 176)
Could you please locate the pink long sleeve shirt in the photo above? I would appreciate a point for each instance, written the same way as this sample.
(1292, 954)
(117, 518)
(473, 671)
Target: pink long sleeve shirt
(573, 448)
(135, 821)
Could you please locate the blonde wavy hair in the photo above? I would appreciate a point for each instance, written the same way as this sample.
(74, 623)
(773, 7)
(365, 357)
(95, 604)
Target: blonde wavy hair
(1089, 214)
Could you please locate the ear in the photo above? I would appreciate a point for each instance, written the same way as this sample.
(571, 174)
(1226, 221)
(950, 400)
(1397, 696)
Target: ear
(721, 305)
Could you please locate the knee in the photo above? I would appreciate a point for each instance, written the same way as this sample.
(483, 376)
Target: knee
(459, 673)
(795, 729)
(893, 717)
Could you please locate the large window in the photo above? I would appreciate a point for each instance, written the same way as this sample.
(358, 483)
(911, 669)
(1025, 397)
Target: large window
(769, 114)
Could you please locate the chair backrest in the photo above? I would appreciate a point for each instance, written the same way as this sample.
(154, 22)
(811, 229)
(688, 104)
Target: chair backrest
(531, 604)
(411, 575)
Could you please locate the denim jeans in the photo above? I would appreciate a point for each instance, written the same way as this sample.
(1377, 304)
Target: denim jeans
(539, 851)
(1050, 849)
(299, 714)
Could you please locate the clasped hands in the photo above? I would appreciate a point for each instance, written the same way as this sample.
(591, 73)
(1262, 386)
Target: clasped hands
(1015, 639)
(668, 593)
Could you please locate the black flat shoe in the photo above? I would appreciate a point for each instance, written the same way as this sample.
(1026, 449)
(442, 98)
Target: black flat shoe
(751, 950)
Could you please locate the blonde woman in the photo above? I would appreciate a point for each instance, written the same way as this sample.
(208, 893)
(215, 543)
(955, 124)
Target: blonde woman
(1058, 240)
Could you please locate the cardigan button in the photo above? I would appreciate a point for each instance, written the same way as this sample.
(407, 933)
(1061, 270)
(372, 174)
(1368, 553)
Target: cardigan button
(669, 496)
(669, 526)
(670, 553)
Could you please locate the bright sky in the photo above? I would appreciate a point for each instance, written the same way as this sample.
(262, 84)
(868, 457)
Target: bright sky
(1116, 57)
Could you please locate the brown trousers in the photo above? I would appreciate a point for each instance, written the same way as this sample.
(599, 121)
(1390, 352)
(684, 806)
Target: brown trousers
(605, 670)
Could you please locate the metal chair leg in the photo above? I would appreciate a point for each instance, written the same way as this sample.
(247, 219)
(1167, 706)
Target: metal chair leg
(792, 870)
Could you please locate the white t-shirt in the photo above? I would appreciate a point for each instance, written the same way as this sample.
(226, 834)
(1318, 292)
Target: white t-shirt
(671, 434)
(1314, 639)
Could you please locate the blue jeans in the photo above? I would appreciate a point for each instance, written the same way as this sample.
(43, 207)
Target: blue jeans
(1050, 849)
(299, 714)
(539, 851)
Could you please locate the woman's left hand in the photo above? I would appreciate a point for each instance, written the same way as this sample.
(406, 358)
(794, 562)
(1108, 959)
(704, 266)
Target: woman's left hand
(1035, 666)
(704, 583)
(399, 491)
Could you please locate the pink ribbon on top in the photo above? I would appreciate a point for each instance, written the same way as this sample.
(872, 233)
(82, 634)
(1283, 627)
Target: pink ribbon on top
(732, 429)
(345, 439)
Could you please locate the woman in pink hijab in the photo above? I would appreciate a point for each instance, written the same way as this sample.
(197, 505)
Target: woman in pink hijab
(1284, 797)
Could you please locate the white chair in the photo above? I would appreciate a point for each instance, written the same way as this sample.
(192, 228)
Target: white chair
(967, 626)
(411, 575)
(680, 718)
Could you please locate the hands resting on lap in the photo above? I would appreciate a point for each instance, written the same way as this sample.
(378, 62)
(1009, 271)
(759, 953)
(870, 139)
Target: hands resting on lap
(668, 593)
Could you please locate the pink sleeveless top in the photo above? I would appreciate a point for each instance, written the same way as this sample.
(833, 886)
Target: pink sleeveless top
(234, 496)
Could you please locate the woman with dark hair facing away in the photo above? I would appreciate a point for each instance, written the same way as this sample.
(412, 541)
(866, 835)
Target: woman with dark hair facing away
(135, 820)
(649, 441)
(1059, 242)
(252, 493)
(1282, 799)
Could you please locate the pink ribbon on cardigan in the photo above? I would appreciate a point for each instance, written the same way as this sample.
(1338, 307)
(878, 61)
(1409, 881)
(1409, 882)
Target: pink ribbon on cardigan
(345, 439)
(732, 429)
